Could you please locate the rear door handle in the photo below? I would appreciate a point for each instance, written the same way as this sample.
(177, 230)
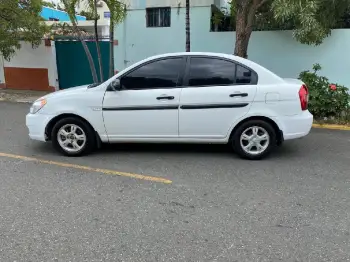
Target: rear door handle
(165, 98)
(239, 94)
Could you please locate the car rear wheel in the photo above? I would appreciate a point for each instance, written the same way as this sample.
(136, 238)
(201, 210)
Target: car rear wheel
(254, 139)
(73, 137)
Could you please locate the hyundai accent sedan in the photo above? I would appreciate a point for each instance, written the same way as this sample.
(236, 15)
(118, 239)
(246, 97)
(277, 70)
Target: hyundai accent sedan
(177, 98)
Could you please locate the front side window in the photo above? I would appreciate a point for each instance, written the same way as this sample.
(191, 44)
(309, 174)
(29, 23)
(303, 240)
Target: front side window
(211, 72)
(158, 17)
(158, 74)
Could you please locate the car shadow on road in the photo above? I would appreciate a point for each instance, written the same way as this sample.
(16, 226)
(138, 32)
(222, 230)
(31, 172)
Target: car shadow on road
(287, 150)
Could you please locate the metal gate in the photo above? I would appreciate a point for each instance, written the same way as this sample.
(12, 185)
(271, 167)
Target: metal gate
(73, 66)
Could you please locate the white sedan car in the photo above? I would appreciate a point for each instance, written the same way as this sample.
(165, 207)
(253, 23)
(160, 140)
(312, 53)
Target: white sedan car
(177, 98)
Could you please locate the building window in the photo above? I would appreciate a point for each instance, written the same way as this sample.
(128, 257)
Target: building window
(158, 17)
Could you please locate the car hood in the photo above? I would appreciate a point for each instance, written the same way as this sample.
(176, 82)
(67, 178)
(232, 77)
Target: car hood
(68, 91)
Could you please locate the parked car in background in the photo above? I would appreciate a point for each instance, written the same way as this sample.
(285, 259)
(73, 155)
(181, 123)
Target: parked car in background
(177, 98)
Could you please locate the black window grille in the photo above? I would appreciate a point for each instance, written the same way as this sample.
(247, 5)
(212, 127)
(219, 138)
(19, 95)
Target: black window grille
(158, 17)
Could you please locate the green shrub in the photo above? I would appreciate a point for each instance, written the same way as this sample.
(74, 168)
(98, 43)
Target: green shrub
(326, 100)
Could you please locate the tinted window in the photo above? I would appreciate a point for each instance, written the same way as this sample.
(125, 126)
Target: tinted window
(243, 75)
(210, 72)
(159, 74)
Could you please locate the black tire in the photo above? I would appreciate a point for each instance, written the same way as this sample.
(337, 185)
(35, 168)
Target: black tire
(236, 139)
(90, 143)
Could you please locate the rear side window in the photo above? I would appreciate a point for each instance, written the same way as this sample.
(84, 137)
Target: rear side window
(207, 71)
(243, 75)
(211, 72)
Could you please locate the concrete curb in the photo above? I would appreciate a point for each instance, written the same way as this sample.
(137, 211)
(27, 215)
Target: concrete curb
(25, 101)
(28, 101)
(331, 127)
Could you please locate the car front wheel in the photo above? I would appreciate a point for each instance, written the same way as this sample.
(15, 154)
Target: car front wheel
(254, 139)
(73, 137)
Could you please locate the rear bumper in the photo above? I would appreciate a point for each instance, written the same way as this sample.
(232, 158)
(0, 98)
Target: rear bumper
(36, 124)
(296, 126)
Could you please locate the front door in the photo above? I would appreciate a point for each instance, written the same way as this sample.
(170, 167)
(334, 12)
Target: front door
(147, 106)
(217, 93)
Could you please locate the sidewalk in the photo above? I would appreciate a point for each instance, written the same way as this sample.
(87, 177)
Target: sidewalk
(21, 96)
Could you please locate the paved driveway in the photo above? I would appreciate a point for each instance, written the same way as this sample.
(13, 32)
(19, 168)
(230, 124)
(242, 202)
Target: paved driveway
(294, 206)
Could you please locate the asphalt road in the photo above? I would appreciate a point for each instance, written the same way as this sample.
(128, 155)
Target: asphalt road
(293, 206)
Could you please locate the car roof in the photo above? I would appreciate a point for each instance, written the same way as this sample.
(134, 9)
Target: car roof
(244, 61)
(265, 76)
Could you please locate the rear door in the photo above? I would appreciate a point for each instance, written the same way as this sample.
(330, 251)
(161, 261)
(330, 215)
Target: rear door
(217, 92)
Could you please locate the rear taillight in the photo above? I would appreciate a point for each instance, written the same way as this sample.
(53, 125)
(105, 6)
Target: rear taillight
(304, 97)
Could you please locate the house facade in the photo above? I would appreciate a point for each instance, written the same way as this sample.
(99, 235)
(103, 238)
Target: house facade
(102, 10)
(154, 27)
(52, 14)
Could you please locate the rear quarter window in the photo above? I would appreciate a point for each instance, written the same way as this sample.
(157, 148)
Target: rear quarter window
(217, 71)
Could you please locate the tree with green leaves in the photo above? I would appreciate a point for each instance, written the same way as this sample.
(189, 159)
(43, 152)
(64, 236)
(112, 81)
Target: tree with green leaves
(69, 7)
(311, 20)
(88, 14)
(48, 4)
(92, 7)
(20, 22)
(118, 13)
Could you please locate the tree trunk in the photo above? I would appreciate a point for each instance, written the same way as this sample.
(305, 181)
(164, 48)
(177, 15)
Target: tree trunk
(91, 62)
(242, 42)
(241, 36)
(188, 33)
(97, 41)
(245, 18)
(87, 52)
(111, 48)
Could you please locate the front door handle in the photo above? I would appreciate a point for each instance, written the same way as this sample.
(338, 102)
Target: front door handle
(239, 94)
(165, 98)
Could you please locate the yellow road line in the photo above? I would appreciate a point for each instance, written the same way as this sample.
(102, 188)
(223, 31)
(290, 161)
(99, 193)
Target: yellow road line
(334, 127)
(87, 168)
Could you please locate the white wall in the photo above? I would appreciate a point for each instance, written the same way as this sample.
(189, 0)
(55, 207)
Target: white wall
(40, 57)
(276, 50)
(142, 4)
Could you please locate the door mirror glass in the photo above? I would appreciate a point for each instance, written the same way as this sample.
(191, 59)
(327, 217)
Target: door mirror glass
(115, 85)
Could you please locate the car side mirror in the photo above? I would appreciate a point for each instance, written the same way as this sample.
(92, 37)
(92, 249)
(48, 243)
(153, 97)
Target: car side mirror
(115, 85)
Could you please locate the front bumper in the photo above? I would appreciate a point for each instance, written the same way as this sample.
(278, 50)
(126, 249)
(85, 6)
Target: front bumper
(36, 124)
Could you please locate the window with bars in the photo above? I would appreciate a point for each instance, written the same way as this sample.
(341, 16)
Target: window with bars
(158, 17)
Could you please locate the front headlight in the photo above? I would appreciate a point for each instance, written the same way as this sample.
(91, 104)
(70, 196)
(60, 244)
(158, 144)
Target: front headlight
(37, 105)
